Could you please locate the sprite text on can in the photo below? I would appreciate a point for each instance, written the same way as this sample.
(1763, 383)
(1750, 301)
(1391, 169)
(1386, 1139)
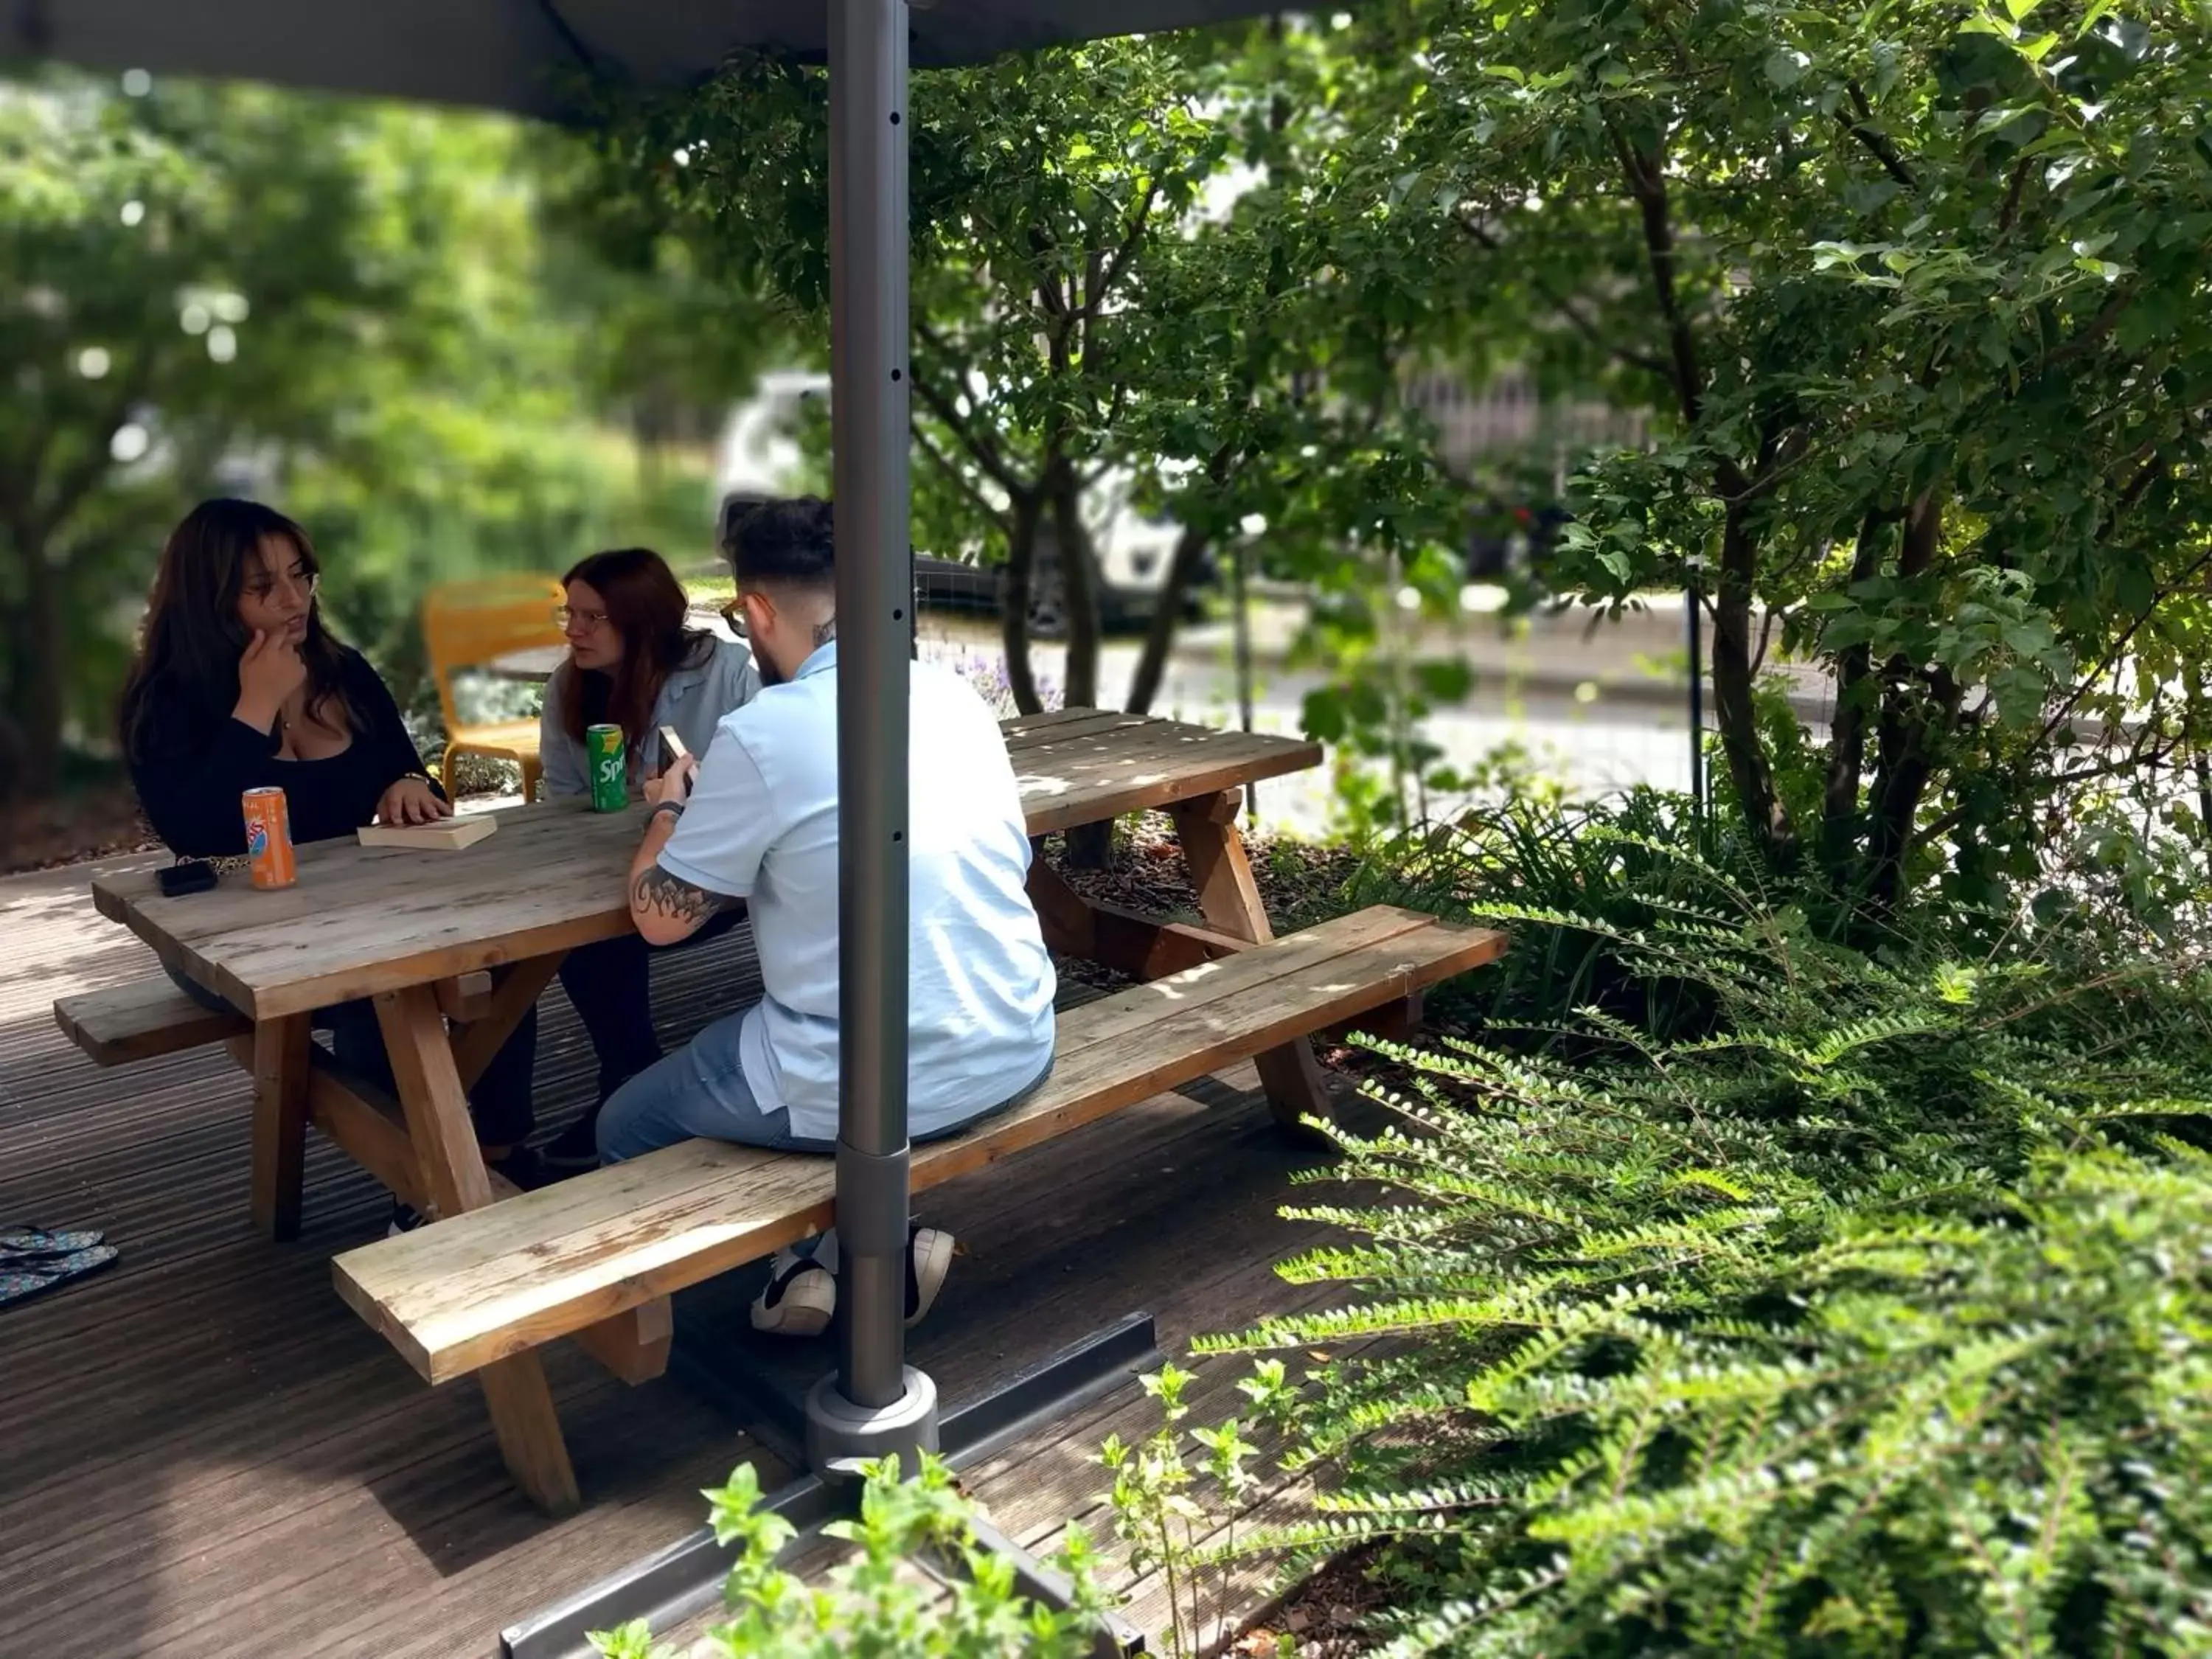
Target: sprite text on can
(609, 768)
(269, 837)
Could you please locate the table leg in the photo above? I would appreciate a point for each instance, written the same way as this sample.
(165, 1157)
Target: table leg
(1229, 898)
(280, 1123)
(454, 1176)
(1141, 946)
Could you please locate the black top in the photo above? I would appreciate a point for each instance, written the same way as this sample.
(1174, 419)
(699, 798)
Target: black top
(192, 777)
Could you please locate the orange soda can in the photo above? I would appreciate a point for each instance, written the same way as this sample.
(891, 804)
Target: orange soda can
(268, 838)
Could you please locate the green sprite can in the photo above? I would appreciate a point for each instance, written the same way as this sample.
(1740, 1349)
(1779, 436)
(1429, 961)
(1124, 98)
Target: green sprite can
(602, 753)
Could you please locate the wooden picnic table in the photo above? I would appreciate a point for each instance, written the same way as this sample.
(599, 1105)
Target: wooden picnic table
(474, 936)
(477, 934)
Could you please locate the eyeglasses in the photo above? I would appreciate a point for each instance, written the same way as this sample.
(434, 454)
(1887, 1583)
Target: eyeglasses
(309, 580)
(734, 614)
(590, 621)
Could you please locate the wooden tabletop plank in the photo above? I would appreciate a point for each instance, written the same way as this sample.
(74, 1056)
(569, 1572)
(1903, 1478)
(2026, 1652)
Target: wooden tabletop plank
(363, 920)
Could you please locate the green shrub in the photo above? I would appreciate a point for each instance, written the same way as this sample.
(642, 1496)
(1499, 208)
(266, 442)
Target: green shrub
(1784, 1300)
(877, 1603)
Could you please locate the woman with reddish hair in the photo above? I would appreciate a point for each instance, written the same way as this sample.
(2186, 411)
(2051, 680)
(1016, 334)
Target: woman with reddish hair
(634, 661)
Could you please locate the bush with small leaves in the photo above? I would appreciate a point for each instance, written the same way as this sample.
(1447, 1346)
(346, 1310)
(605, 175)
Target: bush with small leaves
(971, 1607)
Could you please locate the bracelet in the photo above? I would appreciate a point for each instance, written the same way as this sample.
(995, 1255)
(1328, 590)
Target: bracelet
(674, 807)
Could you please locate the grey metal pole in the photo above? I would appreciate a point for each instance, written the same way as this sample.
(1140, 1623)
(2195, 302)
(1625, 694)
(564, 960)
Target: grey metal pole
(869, 430)
(1242, 601)
(1697, 690)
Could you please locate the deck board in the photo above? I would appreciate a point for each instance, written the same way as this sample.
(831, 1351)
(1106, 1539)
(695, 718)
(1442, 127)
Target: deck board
(204, 1452)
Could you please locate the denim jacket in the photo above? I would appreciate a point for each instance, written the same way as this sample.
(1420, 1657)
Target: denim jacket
(693, 699)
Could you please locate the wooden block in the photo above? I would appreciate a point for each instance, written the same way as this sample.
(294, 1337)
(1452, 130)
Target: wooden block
(633, 1345)
(469, 1291)
(467, 997)
(142, 1019)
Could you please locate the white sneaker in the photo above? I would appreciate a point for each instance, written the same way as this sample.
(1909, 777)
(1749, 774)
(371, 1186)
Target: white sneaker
(928, 1259)
(801, 1297)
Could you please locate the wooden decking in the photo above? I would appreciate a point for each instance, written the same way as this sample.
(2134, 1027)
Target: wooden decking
(204, 1452)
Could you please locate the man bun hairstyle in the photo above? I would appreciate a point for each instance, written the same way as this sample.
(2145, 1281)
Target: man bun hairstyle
(784, 543)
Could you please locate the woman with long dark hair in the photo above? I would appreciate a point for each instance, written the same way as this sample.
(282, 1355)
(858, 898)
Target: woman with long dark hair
(635, 662)
(238, 684)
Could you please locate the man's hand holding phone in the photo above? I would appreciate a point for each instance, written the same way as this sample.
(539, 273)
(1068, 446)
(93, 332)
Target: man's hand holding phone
(673, 783)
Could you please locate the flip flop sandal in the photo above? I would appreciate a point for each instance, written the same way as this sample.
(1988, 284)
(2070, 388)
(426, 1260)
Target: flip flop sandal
(25, 1246)
(17, 1285)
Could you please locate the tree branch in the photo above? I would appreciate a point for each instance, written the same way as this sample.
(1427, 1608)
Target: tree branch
(2094, 331)
(2013, 187)
(959, 477)
(76, 481)
(1646, 183)
(1877, 142)
(966, 429)
(1109, 272)
(2110, 659)
(1564, 305)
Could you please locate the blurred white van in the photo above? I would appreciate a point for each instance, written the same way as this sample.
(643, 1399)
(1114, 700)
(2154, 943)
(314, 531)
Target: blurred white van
(759, 458)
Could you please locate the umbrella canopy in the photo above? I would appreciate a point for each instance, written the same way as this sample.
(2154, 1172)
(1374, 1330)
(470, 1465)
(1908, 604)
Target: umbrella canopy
(517, 54)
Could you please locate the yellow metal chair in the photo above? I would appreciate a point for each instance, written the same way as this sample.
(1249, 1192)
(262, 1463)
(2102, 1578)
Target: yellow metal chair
(471, 625)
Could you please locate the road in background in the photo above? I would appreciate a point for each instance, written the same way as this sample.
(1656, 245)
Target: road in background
(1598, 714)
(1599, 705)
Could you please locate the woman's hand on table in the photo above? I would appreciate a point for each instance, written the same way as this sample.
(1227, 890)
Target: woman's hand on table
(411, 800)
(674, 783)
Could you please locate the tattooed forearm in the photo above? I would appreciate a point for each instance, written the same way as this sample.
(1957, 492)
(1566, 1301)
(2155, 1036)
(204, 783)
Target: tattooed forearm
(657, 892)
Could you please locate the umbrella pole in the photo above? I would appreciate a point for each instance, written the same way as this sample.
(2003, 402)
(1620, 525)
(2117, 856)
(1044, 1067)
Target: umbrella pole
(875, 1403)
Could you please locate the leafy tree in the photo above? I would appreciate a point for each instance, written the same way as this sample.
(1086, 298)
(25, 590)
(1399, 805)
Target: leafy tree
(358, 311)
(1923, 291)
(186, 273)
(1092, 296)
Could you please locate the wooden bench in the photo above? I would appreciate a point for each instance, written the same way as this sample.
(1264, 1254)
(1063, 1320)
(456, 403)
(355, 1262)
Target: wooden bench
(143, 1019)
(469, 1291)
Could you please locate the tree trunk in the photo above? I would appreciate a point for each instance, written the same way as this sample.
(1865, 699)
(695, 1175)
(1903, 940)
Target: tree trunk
(1907, 730)
(1764, 814)
(1088, 845)
(1153, 661)
(1078, 580)
(1841, 824)
(1014, 602)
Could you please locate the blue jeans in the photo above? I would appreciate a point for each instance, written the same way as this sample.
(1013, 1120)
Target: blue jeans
(500, 1105)
(701, 1092)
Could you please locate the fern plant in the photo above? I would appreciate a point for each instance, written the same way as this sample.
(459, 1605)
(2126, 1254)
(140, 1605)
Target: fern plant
(1868, 1311)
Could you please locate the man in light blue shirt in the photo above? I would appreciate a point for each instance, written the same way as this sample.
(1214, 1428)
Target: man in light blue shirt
(756, 823)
